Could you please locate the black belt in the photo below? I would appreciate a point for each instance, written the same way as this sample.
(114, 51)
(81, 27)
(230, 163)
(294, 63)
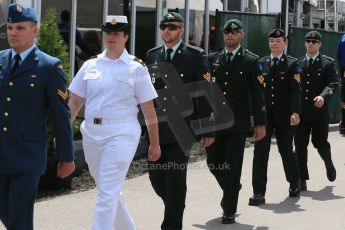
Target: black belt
(97, 121)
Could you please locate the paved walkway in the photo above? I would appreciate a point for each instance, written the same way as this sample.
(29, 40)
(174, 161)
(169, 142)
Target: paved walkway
(321, 207)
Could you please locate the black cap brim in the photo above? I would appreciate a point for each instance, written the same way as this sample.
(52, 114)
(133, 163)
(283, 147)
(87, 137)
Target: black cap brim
(118, 27)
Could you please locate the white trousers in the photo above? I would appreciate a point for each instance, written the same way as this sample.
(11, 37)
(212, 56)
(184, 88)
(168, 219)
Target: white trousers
(109, 150)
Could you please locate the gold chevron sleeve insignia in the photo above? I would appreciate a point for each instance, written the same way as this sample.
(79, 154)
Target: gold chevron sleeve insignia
(261, 79)
(297, 77)
(207, 76)
(62, 94)
(212, 117)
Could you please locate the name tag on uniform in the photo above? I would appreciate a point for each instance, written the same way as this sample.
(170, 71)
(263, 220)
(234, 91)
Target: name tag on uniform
(92, 75)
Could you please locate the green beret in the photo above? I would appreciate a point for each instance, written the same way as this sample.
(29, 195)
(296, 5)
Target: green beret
(172, 17)
(313, 35)
(276, 33)
(233, 24)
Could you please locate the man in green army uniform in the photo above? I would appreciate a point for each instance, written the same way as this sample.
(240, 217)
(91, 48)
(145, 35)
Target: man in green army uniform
(238, 74)
(319, 79)
(191, 64)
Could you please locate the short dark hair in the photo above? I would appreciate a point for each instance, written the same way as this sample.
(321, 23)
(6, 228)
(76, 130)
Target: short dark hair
(65, 16)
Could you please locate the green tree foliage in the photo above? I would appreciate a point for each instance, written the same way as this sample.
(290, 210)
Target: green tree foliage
(50, 41)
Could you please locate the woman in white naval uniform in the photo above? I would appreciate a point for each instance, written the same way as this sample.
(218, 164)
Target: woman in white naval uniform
(111, 86)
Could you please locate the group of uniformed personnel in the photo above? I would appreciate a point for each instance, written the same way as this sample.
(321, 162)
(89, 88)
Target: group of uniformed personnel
(289, 99)
(286, 97)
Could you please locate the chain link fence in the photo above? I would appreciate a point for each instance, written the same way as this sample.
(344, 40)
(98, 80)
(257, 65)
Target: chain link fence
(330, 40)
(256, 27)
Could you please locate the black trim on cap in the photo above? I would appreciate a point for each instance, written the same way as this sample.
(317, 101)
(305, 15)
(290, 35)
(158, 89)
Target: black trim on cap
(108, 27)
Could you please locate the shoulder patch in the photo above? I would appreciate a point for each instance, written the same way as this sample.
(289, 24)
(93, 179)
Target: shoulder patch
(140, 61)
(251, 53)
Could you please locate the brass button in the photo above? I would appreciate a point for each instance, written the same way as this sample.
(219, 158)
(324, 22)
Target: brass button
(223, 102)
(226, 73)
(32, 84)
(225, 83)
(181, 74)
(272, 95)
(306, 98)
(224, 93)
(272, 102)
(8, 99)
(4, 129)
(307, 90)
(10, 83)
(6, 114)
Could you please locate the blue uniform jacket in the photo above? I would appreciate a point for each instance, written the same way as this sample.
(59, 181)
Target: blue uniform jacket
(38, 87)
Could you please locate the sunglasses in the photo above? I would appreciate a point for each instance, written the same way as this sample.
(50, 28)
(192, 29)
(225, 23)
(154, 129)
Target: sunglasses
(312, 41)
(170, 27)
(233, 32)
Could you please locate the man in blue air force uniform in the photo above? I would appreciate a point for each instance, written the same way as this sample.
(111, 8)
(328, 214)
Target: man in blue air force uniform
(31, 85)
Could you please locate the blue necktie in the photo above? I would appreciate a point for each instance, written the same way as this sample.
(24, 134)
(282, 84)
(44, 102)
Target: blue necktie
(16, 63)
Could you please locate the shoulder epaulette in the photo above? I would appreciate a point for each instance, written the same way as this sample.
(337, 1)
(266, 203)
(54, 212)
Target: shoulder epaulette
(155, 48)
(140, 61)
(92, 57)
(263, 59)
(195, 48)
(328, 58)
(251, 53)
(291, 58)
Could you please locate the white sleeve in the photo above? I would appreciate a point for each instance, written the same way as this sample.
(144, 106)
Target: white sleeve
(144, 89)
(78, 84)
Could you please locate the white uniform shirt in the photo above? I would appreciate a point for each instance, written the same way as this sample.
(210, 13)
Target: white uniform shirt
(113, 88)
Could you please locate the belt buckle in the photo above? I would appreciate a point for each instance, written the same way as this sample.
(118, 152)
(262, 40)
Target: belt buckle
(97, 121)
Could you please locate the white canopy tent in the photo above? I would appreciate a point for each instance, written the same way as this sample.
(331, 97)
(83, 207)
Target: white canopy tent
(312, 2)
(193, 4)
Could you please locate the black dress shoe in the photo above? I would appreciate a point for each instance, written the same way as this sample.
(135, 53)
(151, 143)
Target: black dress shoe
(303, 185)
(228, 218)
(342, 131)
(256, 200)
(331, 172)
(294, 192)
